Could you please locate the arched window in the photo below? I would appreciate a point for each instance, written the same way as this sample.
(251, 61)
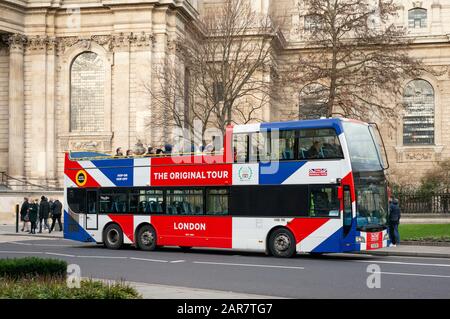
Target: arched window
(418, 122)
(87, 93)
(313, 101)
(417, 18)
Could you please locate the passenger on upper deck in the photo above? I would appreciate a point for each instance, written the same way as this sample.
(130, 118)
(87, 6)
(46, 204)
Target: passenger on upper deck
(130, 153)
(315, 150)
(119, 152)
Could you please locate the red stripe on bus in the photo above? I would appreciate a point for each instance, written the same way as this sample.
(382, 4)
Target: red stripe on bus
(126, 222)
(303, 227)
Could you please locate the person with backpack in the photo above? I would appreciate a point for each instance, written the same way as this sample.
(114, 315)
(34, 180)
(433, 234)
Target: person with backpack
(394, 221)
(56, 215)
(33, 214)
(24, 217)
(44, 210)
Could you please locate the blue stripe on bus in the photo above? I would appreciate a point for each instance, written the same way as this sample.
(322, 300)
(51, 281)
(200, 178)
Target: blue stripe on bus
(283, 170)
(119, 171)
(331, 244)
(305, 124)
(73, 231)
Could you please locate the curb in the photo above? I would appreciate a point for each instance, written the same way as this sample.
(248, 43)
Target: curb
(32, 236)
(403, 254)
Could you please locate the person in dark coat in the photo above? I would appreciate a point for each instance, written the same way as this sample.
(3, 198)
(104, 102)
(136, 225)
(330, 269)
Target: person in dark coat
(56, 215)
(33, 214)
(394, 221)
(24, 217)
(44, 210)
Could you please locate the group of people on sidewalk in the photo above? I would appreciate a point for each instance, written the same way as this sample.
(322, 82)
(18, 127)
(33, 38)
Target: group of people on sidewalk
(35, 212)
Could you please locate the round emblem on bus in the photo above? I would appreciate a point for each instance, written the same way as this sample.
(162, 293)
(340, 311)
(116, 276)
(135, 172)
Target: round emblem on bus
(245, 173)
(81, 178)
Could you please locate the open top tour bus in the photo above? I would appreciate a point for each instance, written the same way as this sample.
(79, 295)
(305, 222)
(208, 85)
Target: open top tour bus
(315, 186)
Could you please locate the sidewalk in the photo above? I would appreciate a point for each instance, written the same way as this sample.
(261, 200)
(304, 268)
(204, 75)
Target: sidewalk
(155, 291)
(10, 230)
(412, 251)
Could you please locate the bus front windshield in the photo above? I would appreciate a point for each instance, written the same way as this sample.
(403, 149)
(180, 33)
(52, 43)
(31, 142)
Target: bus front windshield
(372, 203)
(362, 148)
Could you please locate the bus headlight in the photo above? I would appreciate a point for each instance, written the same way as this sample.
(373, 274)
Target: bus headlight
(360, 239)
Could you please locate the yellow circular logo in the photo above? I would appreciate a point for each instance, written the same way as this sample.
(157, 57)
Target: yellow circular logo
(81, 178)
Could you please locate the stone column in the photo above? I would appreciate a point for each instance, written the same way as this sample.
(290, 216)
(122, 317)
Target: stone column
(50, 112)
(36, 51)
(121, 94)
(16, 145)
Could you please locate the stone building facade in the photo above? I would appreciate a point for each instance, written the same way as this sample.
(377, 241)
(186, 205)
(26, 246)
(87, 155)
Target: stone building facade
(72, 75)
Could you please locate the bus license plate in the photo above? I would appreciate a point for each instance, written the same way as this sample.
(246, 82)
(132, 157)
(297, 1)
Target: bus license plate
(374, 246)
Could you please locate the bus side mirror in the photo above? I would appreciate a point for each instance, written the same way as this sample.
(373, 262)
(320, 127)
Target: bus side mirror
(340, 192)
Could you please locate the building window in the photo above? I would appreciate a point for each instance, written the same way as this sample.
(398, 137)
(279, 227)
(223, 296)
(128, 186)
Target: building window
(87, 93)
(312, 23)
(313, 101)
(417, 18)
(418, 122)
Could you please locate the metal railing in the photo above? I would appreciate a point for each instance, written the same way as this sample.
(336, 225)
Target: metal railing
(9, 182)
(437, 203)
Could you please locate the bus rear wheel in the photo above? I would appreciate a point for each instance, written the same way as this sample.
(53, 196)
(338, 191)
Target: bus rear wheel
(113, 237)
(282, 243)
(146, 238)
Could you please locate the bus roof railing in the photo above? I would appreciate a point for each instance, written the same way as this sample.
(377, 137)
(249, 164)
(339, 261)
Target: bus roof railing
(102, 156)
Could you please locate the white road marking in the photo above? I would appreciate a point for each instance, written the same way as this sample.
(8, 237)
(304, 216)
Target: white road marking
(103, 257)
(28, 244)
(146, 259)
(408, 274)
(400, 263)
(246, 265)
(57, 254)
(177, 261)
(19, 252)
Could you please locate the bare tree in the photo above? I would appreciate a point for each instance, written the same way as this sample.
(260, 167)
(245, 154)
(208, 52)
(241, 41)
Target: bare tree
(228, 61)
(354, 56)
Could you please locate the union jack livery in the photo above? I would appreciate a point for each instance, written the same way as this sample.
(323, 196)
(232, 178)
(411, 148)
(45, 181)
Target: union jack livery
(315, 186)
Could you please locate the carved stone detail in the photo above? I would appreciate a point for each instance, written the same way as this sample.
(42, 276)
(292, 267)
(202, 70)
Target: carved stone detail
(15, 41)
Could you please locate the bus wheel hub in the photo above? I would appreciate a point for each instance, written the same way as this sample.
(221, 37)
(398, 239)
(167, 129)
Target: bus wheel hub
(282, 242)
(147, 238)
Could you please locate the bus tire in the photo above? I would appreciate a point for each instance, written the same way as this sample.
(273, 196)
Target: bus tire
(282, 243)
(113, 237)
(146, 238)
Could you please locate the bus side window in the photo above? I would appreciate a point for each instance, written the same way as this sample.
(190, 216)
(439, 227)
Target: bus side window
(347, 209)
(323, 201)
(241, 148)
(76, 198)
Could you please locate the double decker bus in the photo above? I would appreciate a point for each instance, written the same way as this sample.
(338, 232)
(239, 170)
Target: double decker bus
(314, 186)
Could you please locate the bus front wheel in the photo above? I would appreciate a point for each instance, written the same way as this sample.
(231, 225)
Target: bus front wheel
(146, 238)
(282, 243)
(113, 237)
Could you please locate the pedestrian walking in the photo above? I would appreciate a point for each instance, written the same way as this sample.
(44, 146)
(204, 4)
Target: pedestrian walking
(394, 221)
(56, 215)
(44, 210)
(24, 217)
(33, 214)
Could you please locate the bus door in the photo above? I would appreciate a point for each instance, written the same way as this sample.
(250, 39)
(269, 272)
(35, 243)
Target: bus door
(347, 216)
(92, 210)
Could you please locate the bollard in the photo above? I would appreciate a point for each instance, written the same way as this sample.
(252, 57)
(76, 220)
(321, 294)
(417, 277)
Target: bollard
(17, 218)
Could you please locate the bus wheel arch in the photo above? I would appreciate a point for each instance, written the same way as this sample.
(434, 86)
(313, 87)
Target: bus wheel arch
(146, 237)
(112, 236)
(280, 242)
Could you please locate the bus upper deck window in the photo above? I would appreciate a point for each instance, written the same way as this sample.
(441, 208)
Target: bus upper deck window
(319, 144)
